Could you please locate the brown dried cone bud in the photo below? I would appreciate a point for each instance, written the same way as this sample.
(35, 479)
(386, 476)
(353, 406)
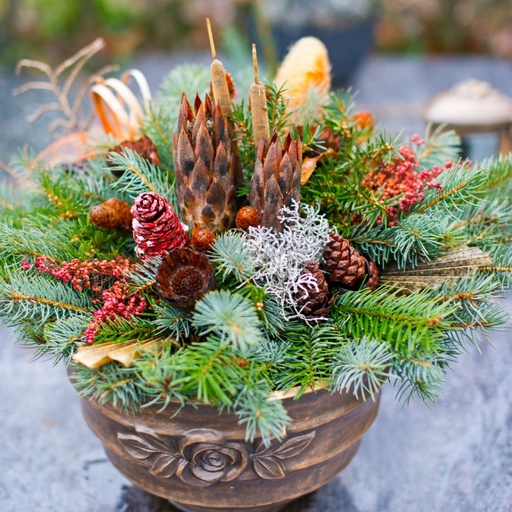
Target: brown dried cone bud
(276, 179)
(202, 239)
(184, 276)
(112, 214)
(247, 217)
(156, 227)
(373, 275)
(205, 167)
(145, 147)
(315, 302)
(344, 266)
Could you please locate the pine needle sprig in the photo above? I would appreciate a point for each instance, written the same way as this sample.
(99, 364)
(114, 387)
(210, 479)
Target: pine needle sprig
(63, 336)
(409, 324)
(231, 317)
(208, 371)
(440, 146)
(307, 360)
(459, 183)
(232, 257)
(176, 322)
(39, 299)
(423, 378)
(112, 383)
(361, 367)
(261, 414)
(139, 175)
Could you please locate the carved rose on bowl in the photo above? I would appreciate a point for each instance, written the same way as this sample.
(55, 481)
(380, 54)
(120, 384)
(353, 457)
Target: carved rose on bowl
(203, 457)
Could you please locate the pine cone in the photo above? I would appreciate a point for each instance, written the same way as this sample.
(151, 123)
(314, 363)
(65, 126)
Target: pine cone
(344, 265)
(202, 239)
(276, 179)
(184, 276)
(112, 214)
(247, 217)
(145, 147)
(205, 167)
(315, 302)
(156, 227)
(373, 275)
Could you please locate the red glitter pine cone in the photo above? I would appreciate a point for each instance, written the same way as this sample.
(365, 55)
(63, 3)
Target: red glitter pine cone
(156, 226)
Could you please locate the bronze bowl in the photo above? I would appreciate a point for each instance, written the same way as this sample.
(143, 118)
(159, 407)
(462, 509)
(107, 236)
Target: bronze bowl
(200, 461)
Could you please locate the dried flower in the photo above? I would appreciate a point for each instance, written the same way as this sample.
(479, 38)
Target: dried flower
(184, 276)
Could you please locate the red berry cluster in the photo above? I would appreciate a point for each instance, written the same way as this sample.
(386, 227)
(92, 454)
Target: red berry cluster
(401, 177)
(81, 274)
(118, 300)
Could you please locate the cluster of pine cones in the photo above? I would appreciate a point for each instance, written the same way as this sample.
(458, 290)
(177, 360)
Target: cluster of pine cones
(206, 183)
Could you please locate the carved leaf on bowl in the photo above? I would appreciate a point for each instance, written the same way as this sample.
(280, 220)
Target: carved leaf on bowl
(266, 459)
(161, 457)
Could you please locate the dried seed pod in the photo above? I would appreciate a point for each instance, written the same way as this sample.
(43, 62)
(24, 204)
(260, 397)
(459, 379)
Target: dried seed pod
(276, 179)
(247, 217)
(184, 276)
(202, 239)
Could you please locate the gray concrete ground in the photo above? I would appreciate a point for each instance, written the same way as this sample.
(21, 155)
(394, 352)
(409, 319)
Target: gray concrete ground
(456, 457)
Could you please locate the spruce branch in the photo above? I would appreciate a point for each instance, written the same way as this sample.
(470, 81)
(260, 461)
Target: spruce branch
(139, 175)
(360, 367)
(440, 146)
(231, 317)
(409, 324)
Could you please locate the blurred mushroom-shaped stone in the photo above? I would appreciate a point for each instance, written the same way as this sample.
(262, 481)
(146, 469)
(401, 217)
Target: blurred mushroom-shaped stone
(473, 107)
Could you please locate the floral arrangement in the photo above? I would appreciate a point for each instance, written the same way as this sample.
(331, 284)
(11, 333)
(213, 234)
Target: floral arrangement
(199, 247)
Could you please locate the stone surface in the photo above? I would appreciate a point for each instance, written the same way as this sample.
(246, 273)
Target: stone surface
(455, 457)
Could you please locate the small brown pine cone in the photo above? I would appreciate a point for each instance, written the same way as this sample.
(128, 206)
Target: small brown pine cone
(344, 266)
(247, 217)
(156, 226)
(373, 275)
(104, 217)
(123, 212)
(315, 302)
(202, 239)
(184, 276)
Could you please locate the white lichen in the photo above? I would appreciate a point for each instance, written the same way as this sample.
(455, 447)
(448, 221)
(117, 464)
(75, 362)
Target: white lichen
(279, 258)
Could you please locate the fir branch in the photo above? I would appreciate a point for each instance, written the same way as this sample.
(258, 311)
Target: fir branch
(140, 175)
(232, 257)
(307, 358)
(420, 377)
(410, 324)
(229, 316)
(63, 336)
(38, 299)
(458, 183)
(177, 322)
(208, 372)
(260, 413)
(157, 124)
(440, 146)
(360, 367)
(111, 383)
